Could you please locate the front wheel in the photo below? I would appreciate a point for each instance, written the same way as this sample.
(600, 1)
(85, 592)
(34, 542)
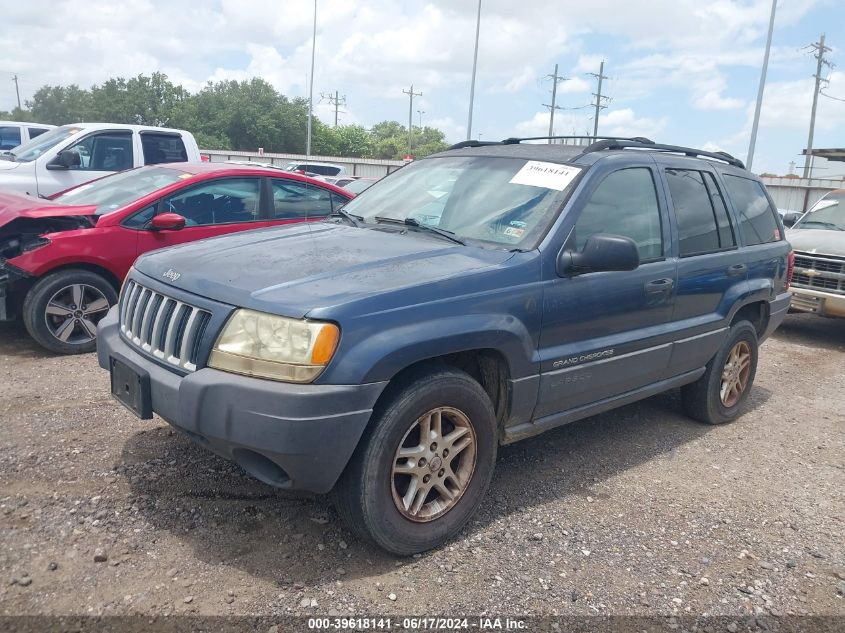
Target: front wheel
(719, 394)
(61, 310)
(425, 466)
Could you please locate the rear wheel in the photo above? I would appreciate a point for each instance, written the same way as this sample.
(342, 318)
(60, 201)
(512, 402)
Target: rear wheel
(425, 466)
(718, 395)
(61, 311)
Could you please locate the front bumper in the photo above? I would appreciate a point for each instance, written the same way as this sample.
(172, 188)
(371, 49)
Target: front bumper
(817, 302)
(297, 437)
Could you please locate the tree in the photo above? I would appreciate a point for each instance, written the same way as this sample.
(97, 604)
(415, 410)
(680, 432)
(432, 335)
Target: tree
(61, 104)
(234, 115)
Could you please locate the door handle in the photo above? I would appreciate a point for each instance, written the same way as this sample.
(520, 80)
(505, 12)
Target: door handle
(659, 286)
(737, 269)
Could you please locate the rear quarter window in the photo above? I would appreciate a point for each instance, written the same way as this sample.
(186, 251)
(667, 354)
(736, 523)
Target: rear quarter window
(756, 216)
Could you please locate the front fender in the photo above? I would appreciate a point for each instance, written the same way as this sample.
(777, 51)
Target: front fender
(384, 354)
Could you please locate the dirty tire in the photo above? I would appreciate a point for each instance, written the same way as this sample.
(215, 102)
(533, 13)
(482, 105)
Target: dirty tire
(37, 299)
(364, 497)
(702, 400)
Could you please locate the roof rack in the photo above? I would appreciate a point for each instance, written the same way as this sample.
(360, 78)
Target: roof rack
(473, 143)
(612, 142)
(607, 144)
(515, 140)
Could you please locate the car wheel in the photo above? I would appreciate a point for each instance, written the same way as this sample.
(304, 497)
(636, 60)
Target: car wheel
(719, 394)
(61, 311)
(424, 467)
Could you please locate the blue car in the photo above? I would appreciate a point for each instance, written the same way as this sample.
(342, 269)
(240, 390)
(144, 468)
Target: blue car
(471, 299)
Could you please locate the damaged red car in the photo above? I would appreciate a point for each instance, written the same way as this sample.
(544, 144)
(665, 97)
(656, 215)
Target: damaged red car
(62, 260)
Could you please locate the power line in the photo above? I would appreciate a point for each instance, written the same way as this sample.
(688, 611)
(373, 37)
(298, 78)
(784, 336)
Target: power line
(552, 107)
(336, 100)
(411, 94)
(824, 94)
(598, 95)
(820, 49)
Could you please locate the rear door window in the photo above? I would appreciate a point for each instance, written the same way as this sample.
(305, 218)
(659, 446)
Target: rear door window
(10, 137)
(163, 148)
(294, 199)
(703, 225)
(756, 216)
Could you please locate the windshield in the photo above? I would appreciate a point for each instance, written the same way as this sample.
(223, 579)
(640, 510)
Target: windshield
(503, 202)
(31, 150)
(828, 213)
(112, 192)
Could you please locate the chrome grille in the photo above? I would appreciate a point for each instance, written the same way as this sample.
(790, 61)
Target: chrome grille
(162, 326)
(819, 273)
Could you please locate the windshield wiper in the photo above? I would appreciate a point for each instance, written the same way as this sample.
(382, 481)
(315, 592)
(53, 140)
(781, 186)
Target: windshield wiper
(415, 224)
(354, 220)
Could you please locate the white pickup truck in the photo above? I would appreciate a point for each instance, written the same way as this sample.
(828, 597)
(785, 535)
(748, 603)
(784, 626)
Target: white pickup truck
(71, 155)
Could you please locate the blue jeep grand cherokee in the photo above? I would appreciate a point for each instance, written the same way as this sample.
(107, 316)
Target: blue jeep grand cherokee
(473, 298)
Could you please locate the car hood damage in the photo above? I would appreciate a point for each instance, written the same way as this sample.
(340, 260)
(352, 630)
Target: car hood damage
(293, 270)
(24, 220)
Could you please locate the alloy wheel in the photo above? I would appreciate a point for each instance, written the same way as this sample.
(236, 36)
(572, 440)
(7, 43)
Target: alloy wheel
(73, 312)
(434, 464)
(735, 374)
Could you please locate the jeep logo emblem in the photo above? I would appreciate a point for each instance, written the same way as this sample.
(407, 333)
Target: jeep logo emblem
(171, 274)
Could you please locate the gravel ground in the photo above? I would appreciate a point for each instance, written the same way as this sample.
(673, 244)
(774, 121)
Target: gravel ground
(637, 511)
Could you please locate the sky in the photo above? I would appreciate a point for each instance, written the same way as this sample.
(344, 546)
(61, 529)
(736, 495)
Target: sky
(683, 72)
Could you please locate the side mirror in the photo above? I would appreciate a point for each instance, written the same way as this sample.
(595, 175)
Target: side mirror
(167, 222)
(65, 159)
(602, 252)
(790, 219)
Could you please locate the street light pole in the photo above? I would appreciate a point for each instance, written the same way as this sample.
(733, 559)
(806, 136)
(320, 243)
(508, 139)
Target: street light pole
(762, 87)
(474, 65)
(420, 112)
(311, 85)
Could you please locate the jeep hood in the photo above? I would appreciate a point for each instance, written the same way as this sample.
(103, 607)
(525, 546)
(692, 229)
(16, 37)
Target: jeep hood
(295, 269)
(14, 205)
(817, 241)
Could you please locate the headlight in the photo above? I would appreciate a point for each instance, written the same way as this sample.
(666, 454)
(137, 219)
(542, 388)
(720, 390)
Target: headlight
(269, 346)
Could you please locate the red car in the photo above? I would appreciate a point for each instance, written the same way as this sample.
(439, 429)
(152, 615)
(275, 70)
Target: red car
(62, 260)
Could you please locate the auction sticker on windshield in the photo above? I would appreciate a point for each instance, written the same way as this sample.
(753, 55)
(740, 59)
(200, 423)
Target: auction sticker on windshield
(537, 173)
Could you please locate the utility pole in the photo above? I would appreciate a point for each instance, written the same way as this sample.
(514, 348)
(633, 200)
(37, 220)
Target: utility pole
(311, 85)
(411, 94)
(762, 87)
(336, 100)
(820, 49)
(474, 65)
(598, 95)
(555, 79)
(17, 91)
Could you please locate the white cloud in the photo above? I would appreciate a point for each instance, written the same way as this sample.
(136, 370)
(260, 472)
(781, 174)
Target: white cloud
(625, 123)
